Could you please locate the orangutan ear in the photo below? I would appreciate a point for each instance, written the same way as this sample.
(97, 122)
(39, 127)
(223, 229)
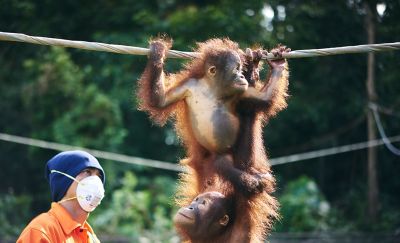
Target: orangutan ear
(212, 70)
(224, 220)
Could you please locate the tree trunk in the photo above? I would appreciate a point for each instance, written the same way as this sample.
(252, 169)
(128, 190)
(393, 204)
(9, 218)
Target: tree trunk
(373, 191)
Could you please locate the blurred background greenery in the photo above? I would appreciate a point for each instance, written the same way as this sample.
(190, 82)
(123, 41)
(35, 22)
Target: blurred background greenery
(86, 99)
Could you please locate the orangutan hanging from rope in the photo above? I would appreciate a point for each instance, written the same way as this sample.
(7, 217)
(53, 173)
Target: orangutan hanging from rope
(219, 106)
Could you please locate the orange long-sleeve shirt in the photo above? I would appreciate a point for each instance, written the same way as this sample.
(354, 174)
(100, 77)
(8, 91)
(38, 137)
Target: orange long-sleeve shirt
(56, 226)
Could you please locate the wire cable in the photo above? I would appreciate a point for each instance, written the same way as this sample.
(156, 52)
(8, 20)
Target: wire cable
(96, 46)
(97, 153)
(176, 167)
(331, 151)
(393, 149)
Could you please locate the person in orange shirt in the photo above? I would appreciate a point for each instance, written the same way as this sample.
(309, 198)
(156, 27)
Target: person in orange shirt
(77, 187)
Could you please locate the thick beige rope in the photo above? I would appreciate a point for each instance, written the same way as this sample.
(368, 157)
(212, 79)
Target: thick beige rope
(96, 46)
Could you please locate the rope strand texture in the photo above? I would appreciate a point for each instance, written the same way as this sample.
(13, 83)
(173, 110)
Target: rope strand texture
(96, 46)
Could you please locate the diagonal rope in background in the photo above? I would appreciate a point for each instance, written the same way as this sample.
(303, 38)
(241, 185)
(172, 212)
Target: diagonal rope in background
(177, 167)
(331, 151)
(96, 153)
(385, 139)
(96, 46)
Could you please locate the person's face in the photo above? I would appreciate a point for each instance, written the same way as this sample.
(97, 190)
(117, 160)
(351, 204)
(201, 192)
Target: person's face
(71, 192)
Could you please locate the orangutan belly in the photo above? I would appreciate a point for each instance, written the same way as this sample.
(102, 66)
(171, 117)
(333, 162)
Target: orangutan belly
(214, 127)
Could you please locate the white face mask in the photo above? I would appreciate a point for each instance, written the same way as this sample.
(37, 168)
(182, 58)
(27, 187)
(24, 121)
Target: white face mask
(89, 192)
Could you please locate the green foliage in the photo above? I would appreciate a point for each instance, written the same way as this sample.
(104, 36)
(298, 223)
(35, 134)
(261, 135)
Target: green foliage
(85, 98)
(82, 116)
(348, 214)
(137, 213)
(14, 211)
(303, 207)
(95, 116)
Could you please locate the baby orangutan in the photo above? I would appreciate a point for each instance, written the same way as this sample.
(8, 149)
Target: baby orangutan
(206, 99)
(205, 218)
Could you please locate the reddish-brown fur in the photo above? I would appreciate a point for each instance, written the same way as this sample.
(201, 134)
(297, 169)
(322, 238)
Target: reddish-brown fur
(254, 214)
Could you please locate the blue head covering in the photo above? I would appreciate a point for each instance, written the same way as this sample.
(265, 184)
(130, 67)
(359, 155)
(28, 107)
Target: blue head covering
(71, 163)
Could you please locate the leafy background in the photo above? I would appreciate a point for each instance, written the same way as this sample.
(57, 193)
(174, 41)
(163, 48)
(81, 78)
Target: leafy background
(86, 99)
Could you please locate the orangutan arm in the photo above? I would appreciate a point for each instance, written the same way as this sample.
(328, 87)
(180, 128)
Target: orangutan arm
(272, 96)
